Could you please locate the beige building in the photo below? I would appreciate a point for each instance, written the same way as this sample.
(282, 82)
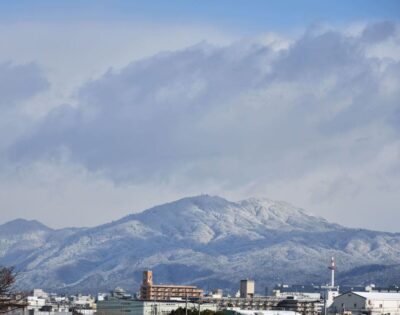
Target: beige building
(150, 291)
(247, 288)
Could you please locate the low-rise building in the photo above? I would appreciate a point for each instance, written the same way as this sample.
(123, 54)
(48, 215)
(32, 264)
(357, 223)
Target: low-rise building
(82, 301)
(114, 306)
(42, 303)
(366, 303)
(312, 291)
(35, 302)
(304, 306)
(236, 311)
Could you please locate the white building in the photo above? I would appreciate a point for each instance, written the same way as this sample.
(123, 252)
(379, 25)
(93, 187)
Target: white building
(217, 294)
(237, 311)
(139, 307)
(42, 303)
(366, 303)
(40, 293)
(35, 302)
(296, 294)
(82, 301)
(102, 296)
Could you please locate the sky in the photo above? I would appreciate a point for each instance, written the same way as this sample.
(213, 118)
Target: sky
(111, 107)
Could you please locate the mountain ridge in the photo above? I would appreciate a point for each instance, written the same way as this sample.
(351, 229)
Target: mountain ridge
(202, 240)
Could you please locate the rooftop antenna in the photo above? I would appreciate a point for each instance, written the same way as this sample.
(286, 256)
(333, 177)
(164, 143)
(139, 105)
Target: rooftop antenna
(332, 267)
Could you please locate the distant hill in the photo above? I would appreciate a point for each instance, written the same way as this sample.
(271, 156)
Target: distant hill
(202, 240)
(367, 274)
(21, 226)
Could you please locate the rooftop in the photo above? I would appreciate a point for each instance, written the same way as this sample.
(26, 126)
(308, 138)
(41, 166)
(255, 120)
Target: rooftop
(379, 295)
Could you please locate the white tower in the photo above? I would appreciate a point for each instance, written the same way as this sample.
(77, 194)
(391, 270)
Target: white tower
(330, 290)
(332, 267)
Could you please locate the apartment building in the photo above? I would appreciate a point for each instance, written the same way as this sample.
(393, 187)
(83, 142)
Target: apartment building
(160, 292)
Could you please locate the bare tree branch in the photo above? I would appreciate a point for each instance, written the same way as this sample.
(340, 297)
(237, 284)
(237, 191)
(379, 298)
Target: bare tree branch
(8, 300)
(7, 280)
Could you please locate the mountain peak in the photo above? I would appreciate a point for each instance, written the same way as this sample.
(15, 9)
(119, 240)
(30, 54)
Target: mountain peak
(185, 205)
(206, 218)
(206, 201)
(19, 226)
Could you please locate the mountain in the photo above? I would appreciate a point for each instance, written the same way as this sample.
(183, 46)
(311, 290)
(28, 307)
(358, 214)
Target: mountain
(203, 240)
(20, 226)
(21, 239)
(375, 273)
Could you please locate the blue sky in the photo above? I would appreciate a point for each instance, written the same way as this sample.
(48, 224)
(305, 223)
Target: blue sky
(110, 107)
(249, 16)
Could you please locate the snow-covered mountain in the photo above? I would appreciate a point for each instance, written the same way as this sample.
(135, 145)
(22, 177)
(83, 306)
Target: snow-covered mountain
(203, 240)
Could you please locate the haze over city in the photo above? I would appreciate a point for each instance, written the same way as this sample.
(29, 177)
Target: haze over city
(111, 107)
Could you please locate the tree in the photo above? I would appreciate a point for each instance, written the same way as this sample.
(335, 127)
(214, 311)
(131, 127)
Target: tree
(8, 302)
(7, 280)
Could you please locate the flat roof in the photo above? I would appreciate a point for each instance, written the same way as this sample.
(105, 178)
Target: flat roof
(378, 295)
(174, 286)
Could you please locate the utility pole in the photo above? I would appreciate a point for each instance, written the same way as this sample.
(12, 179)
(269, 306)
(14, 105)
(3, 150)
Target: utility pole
(186, 304)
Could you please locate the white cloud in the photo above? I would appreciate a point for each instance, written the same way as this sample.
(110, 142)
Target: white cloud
(73, 53)
(312, 120)
(18, 84)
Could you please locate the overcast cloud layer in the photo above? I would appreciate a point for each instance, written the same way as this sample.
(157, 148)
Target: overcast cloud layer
(313, 120)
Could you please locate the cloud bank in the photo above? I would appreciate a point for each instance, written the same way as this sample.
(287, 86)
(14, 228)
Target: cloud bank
(314, 120)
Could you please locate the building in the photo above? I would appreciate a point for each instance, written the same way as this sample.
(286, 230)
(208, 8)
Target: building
(35, 302)
(366, 303)
(247, 288)
(234, 311)
(215, 294)
(42, 303)
(255, 303)
(40, 293)
(301, 305)
(310, 291)
(82, 301)
(326, 293)
(113, 306)
(150, 291)
(368, 288)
